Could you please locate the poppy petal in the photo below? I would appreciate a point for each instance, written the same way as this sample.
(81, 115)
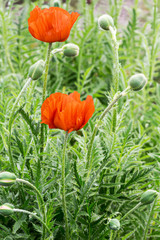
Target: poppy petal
(51, 24)
(67, 112)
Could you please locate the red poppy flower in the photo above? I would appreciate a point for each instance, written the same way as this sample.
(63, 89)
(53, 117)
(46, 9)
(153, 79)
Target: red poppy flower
(51, 24)
(67, 112)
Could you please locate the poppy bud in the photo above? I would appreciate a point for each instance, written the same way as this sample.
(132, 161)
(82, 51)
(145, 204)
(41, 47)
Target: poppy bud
(6, 209)
(114, 224)
(7, 178)
(148, 196)
(36, 70)
(56, 3)
(137, 82)
(70, 50)
(105, 21)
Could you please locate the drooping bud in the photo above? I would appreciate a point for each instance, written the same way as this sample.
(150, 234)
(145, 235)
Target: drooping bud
(7, 178)
(6, 209)
(149, 196)
(137, 82)
(56, 3)
(114, 224)
(70, 50)
(105, 21)
(36, 70)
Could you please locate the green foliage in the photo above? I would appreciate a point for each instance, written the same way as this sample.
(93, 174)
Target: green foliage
(124, 163)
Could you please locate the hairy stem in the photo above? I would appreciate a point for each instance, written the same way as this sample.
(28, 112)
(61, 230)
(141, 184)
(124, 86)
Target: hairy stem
(139, 204)
(149, 220)
(154, 34)
(41, 205)
(11, 121)
(115, 71)
(6, 45)
(43, 98)
(111, 237)
(34, 215)
(115, 99)
(63, 188)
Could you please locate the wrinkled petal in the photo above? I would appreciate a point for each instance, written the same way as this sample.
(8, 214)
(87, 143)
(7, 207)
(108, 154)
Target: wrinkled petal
(67, 112)
(51, 24)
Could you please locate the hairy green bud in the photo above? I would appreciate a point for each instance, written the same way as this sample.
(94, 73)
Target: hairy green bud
(105, 21)
(70, 50)
(56, 3)
(6, 209)
(137, 82)
(149, 196)
(7, 178)
(36, 70)
(114, 224)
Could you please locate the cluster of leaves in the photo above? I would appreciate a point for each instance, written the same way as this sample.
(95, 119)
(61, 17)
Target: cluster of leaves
(124, 163)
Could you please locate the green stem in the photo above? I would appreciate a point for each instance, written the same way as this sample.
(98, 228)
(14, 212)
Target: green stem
(138, 205)
(67, 4)
(63, 187)
(32, 214)
(111, 235)
(5, 43)
(57, 50)
(115, 99)
(46, 72)
(43, 98)
(116, 12)
(152, 58)
(84, 12)
(117, 7)
(115, 71)
(41, 206)
(149, 220)
(11, 121)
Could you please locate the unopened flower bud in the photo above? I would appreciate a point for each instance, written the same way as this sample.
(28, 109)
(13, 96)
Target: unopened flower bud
(70, 50)
(7, 178)
(137, 82)
(56, 3)
(36, 70)
(105, 21)
(6, 209)
(114, 224)
(149, 196)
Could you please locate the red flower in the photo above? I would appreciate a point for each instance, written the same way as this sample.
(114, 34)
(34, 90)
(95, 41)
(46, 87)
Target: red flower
(67, 112)
(51, 24)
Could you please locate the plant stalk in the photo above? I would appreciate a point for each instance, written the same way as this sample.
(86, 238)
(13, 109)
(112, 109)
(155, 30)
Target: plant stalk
(41, 206)
(111, 235)
(115, 99)
(5, 43)
(149, 220)
(115, 71)
(11, 121)
(43, 98)
(34, 215)
(152, 57)
(138, 205)
(63, 187)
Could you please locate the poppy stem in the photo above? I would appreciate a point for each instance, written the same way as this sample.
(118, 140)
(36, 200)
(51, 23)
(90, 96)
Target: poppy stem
(4, 31)
(46, 72)
(115, 71)
(41, 203)
(138, 205)
(63, 187)
(43, 98)
(11, 119)
(34, 215)
(112, 103)
(111, 235)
